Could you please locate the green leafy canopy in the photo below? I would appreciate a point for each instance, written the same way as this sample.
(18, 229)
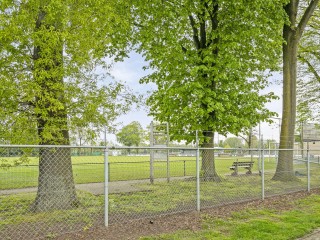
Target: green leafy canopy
(43, 41)
(210, 60)
(131, 134)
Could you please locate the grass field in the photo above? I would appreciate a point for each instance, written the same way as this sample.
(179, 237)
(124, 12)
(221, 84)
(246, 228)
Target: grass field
(160, 197)
(262, 224)
(88, 169)
(150, 200)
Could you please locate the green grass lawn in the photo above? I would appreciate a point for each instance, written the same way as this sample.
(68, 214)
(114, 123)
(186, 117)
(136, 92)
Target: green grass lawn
(163, 197)
(88, 169)
(257, 224)
(151, 200)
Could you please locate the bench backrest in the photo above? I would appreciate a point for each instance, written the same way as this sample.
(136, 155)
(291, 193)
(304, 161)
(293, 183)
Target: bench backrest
(242, 163)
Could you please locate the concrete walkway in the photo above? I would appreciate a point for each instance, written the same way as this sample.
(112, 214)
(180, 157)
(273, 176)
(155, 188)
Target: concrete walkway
(98, 188)
(315, 235)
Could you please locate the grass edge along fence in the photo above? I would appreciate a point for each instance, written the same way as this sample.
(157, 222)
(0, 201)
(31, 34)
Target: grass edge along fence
(170, 196)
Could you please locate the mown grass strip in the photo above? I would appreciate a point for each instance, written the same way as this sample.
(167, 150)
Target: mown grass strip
(260, 224)
(88, 169)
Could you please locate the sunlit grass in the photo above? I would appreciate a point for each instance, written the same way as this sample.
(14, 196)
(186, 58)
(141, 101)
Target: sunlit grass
(88, 169)
(150, 198)
(15, 209)
(163, 197)
(257, 224)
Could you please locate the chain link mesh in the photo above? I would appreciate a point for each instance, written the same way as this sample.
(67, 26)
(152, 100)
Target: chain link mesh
(42, 192)
(47, 191)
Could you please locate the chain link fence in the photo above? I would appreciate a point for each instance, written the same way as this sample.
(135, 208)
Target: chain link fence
(49, 190)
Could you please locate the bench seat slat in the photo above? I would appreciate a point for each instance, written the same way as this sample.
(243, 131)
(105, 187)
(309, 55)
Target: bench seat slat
(246, 165)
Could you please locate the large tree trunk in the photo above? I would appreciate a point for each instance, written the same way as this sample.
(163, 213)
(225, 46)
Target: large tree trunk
(284, 171)
(56, 189)
(291, 35)
(250, 144)
(208, 161)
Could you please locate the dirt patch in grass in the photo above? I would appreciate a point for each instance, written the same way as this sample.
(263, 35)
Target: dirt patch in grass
(135, 229)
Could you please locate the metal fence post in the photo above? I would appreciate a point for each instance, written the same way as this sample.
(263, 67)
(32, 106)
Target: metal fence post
(168, 154)
(151, 154)
(152, 167)
(106, 187)
(308, 167)
(109, 174)
(262, 175)
(184, 168)
(168, 166)
(198, 172)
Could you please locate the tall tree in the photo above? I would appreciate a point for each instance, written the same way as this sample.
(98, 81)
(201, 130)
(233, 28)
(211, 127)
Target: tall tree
(208, 58)
(131, 134)
(49, 51)
(251, 140)
(233, 142)
(308, 90)
(309, 72)
(292, 33)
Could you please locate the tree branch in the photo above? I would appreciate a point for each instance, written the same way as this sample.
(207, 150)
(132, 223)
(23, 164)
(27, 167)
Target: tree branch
(208, 9)
(311, 68)
(313, 53)
(27, 103)
(184, 49)
(138, 25)
(316, 55)
(203, 34)
(214, 21)
(195, 32)
(306, 16)
(244, 138)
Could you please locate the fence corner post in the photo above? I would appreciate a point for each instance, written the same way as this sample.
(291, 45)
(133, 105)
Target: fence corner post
(106, 187)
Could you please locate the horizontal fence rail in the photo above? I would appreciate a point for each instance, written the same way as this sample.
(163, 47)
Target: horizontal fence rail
(49, 190)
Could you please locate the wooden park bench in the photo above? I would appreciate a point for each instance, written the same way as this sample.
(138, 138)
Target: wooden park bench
(246, 165)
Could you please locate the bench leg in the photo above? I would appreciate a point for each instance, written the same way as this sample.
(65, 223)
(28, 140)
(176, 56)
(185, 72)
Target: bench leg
(249, 171)
(235, 173)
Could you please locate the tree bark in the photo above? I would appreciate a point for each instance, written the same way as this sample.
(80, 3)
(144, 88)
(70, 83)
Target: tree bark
(56, 189)
(284, 169)
(291, 35)
(208, 159)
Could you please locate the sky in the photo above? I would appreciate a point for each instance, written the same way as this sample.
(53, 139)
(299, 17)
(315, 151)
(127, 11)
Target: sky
(131, 71)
